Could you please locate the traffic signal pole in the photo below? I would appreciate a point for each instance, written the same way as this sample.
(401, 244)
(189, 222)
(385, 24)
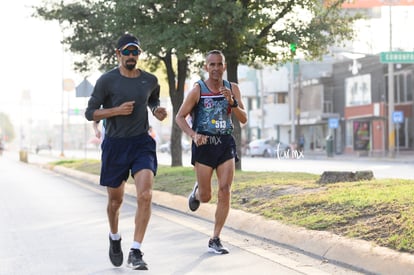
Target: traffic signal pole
(292, 104)
(293, 47)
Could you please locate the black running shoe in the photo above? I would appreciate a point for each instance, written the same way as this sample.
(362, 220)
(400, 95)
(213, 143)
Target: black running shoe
(193, 203)
(115, 252)
(135, 260)
(215, 246)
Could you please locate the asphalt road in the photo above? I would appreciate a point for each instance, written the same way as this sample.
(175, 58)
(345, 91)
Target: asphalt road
(52, 224)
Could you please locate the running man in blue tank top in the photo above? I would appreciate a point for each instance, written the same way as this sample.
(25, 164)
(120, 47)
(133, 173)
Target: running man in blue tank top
(122, 97)
(211, 104)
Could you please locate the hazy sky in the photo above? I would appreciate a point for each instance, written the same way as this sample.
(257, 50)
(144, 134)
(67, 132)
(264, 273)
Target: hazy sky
(32, 60)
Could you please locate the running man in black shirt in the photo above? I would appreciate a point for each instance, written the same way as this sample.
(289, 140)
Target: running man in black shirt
(122, 96)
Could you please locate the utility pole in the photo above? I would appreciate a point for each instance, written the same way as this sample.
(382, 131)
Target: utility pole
(391, 131)
(62, 101)
(262, 110)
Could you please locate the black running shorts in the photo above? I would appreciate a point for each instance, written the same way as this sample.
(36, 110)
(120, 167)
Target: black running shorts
(217, 150)
(122, 156)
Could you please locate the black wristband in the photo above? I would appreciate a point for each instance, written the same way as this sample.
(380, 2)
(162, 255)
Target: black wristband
(235, 103)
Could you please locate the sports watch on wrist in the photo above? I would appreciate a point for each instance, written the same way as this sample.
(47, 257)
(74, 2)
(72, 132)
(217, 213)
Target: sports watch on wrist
(235, 103)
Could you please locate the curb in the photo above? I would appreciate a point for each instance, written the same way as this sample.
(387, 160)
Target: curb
(357, 254)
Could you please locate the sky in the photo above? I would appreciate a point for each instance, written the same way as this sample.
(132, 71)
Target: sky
(33, 63)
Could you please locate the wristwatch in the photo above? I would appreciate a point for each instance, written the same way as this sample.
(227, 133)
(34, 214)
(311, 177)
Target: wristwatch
(235, 103)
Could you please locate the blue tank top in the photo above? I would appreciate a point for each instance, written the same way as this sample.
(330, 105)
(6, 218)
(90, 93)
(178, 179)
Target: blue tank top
(212, 114)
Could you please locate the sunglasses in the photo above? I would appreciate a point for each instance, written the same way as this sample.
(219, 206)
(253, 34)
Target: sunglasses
(127, 52)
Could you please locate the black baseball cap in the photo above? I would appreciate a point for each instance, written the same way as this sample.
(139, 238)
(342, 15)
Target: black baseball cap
(128, 40)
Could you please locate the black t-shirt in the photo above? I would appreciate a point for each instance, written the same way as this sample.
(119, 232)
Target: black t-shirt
(112, 89)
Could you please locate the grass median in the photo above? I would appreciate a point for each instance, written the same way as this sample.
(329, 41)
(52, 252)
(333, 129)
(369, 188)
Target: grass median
(380, 211)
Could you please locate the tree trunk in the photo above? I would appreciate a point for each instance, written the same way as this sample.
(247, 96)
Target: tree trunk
(176, 132)
(176, 91)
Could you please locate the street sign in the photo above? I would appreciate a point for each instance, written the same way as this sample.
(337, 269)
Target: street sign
(84, 89)
(333, 123)
(398, 117)
(397, 57)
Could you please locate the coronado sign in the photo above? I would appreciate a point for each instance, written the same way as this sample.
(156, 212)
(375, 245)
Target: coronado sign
(397, 57)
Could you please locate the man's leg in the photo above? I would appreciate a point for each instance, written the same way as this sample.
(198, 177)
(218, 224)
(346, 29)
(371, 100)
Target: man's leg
(115, 197)
(225, 174)
(143, 183)
(203, 174)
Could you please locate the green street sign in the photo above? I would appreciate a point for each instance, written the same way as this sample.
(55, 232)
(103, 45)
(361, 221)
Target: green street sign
(397, 57)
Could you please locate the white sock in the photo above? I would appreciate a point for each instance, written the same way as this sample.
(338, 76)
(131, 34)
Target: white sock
(135, 245)
(115, 237)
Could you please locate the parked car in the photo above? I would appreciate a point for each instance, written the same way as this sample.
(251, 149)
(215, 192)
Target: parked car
(43, 147)
(166, 147)
(266, 148)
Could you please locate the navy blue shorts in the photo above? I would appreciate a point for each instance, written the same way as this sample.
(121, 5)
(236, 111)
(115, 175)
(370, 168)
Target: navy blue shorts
(122, 156)
(217, 150)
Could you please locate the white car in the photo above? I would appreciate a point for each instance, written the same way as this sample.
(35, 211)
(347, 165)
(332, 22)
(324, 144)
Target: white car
(266, 147)
(166, 147)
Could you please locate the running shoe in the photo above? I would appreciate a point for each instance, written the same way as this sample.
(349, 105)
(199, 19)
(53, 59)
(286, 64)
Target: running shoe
(135, 260)
(215, 246)
(193, 203)
(115, 252)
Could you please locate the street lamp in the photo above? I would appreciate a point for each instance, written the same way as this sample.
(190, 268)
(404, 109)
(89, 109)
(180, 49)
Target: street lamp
(391, 138)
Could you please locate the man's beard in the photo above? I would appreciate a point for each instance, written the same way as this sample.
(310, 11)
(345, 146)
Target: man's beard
(130, 65)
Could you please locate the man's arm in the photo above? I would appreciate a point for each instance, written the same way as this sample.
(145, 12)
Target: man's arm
(124, 109)
(189, 102)
(238, 111)
(154, 99)
(154, 104)
(96, 129)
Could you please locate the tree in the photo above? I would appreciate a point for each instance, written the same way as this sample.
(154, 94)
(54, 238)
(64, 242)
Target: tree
(6, 128)
(250, 32)
(92, 35)
(262, 32)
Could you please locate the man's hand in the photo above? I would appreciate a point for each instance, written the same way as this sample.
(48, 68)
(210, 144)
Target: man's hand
(126, 108)
(226, 92)
(199, 139)
(160, 113)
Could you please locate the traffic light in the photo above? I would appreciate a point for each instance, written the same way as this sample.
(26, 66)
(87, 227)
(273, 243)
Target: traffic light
(293, 47)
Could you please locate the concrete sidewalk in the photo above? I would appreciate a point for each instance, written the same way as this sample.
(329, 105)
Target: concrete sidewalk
(406, 156)
(361, 255)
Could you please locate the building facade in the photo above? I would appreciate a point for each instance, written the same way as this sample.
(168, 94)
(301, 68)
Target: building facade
(345, 100)
(361, 98)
